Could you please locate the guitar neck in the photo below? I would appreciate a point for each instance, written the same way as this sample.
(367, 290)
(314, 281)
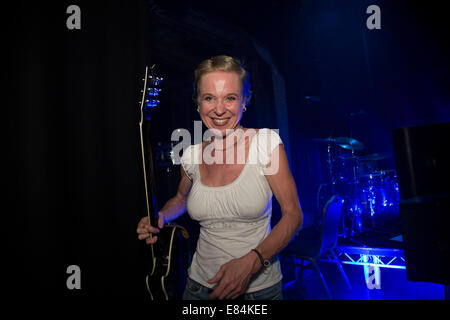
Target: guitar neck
(146, 150)
(149, 176)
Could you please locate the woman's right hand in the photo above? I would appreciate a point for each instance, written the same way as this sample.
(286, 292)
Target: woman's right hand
(145, 230)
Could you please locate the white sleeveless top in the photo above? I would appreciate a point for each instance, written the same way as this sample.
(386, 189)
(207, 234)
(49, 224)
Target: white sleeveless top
(233, 218)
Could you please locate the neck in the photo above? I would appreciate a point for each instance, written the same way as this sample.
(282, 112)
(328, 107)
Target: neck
(229, 140)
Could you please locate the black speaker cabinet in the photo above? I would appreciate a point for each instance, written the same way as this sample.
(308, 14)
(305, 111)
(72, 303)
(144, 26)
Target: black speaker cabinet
(422, 163)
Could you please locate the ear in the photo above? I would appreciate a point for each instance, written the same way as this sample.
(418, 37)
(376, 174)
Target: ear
(244, 108)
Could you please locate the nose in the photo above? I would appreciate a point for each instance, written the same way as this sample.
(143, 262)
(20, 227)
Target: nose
(220, 108)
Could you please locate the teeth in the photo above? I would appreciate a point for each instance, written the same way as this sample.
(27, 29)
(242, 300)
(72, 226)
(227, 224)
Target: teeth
(220, 120)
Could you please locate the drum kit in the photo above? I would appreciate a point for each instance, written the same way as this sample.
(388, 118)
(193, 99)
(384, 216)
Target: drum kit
(370, 192)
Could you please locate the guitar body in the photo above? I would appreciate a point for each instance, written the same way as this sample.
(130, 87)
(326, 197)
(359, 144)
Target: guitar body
(170, 259)
(170, 254)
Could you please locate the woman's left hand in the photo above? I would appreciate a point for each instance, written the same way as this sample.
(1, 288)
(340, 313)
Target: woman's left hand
(233, 277)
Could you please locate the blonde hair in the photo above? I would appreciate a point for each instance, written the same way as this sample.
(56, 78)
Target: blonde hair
(225, 64)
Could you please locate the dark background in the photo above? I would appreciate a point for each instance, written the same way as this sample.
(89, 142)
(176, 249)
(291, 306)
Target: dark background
(74, 188)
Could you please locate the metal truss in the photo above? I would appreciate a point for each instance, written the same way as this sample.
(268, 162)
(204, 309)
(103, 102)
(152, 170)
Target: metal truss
(374, 257)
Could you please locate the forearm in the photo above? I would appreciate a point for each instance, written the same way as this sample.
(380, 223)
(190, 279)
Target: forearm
(176, 206)
(281, 234)
(173, 208)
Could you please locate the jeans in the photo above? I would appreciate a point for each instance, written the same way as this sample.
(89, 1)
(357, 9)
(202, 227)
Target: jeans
(196, 291)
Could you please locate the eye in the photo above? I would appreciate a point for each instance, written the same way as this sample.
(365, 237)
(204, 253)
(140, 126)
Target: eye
(207, 98)
(231, 98)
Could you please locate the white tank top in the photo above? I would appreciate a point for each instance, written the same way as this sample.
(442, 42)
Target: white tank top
(233, 218)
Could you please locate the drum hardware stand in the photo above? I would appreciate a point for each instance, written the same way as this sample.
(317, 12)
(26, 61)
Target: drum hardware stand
(330, 166)
(346, 143)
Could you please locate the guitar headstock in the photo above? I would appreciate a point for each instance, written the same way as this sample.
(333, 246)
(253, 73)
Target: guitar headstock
(149, 92)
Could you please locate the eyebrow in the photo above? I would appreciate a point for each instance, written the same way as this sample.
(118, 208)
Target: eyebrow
(228, 94)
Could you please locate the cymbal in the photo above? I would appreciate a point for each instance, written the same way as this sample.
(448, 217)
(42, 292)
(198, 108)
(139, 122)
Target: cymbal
(374, 156)
(349, 143)
(330, 139)
(373, 174)
(377, 173)
(348, 157)
(343, 142)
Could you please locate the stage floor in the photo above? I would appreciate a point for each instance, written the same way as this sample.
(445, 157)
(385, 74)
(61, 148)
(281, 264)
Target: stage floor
(393, 284)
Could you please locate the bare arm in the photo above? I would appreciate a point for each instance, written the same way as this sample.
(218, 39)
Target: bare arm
(173, 208)
(283, 186)
(176, 206)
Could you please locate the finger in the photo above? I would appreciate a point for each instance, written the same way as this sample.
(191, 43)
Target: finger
(225, 293)
(143, 236)
(151, 240)
(161, 220)
(219, 291)
(143, 222)
(228, 291)
(151, 229)
(231, 293)
(142, 225)
(144, 219)
(217, 277)
(230, 296)
(234, 294)
(216, 292)
(141, 229)
(147, 230)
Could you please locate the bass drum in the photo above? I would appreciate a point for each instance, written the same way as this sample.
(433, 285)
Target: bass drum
(380, 198)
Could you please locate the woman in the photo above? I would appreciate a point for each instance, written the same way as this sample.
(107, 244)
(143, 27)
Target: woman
(227, 183)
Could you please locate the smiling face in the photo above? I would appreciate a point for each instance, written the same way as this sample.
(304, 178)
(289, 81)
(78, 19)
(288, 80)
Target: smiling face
(220, 101)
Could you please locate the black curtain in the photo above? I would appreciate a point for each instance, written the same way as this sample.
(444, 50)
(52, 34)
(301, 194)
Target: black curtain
(74, 185)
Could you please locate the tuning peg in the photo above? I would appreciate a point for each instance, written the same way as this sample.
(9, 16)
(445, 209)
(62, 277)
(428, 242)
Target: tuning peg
(152, 103)
(153, 91)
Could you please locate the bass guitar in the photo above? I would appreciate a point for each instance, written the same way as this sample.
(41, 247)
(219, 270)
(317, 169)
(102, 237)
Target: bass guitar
(168, 253)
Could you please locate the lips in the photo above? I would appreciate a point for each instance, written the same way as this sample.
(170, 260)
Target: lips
(220, 122)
